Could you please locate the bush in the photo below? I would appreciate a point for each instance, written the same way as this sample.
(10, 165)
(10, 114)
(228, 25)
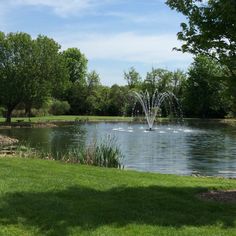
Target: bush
(59, 107)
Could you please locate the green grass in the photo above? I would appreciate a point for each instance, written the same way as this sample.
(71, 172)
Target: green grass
(39, 197)
(70, 118)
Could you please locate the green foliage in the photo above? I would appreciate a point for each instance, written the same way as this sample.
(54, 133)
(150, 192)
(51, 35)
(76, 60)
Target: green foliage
(133, 78)
(93, 93)
(205, 93)
(49, 75)
(34, 71)
(164, 80)
(92, 80)
(159, 79)
(59, 107)
(117, 100)
(106, 153)
(30, 70)
(14, 56)
(76, 64)
(76, 96)
(210, 30)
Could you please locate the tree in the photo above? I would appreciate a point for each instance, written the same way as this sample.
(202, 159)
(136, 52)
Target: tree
(92, 80)
(210, 30)
(14, 57)
(76, 63)
(30, 70)
(117, 99)
(133, 78)
(47, 73)
(204, 96)
(93, 97)
(178, 81)
(77, 91)
(76, 96)
(159, 79)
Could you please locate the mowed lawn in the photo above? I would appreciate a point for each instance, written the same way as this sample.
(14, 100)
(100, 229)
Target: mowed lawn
(40, 197)
(68, 118)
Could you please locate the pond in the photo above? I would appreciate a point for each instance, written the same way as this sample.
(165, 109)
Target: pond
(205, 148)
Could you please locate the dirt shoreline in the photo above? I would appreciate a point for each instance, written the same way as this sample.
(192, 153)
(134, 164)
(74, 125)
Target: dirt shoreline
(6, 141)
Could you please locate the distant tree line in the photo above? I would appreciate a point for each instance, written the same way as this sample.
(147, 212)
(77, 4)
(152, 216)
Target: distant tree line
(36, 77)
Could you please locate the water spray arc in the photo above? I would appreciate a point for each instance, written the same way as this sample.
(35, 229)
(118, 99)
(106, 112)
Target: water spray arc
(151, 104)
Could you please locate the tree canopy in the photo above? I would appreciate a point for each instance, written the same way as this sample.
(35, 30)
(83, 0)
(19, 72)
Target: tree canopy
(132, 77)
(29, 70)
(204, 95)
(210, 29)
(35, 74)
(76, 64)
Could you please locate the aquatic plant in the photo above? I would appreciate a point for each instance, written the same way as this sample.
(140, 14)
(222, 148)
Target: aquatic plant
(106, 153)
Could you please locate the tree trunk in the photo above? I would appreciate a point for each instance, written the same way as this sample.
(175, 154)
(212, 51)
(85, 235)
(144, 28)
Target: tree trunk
(8, 115)
(28, 111)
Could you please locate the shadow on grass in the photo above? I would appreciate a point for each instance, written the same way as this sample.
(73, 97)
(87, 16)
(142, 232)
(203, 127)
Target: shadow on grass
(53, 213)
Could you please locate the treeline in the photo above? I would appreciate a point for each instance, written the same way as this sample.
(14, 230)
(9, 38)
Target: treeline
(37, 78)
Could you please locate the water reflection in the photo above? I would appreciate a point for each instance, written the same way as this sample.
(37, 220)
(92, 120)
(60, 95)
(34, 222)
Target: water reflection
(56, 141)
(214, 152)
(195, 147)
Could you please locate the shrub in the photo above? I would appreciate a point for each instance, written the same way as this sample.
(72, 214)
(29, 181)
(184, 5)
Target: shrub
(59, 107)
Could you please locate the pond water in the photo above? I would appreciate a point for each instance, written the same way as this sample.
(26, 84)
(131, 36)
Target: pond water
(206, 148)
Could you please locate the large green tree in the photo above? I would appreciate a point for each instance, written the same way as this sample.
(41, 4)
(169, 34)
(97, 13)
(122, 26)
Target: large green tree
(93, 95)
(118, 98)
(210, 29)
(204, 96)
(76, 63)
(164, 80)
(47, 74)
(133, 78)
(14, 60)
(30, 70)
(77, 91)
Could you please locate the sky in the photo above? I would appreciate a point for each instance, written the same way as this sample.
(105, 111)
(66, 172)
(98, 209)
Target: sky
(113, 34)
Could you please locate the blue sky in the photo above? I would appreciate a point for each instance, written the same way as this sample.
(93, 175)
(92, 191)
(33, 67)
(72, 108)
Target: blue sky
(113, 34)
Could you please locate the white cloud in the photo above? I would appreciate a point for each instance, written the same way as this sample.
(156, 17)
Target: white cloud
(130, 47)
(151, 18)
(60, 7)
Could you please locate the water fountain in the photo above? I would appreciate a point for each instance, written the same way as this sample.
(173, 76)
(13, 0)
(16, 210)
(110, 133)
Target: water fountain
(152, 104)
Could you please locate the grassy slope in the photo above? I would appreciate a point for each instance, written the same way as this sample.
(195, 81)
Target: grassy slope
(39, 197)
